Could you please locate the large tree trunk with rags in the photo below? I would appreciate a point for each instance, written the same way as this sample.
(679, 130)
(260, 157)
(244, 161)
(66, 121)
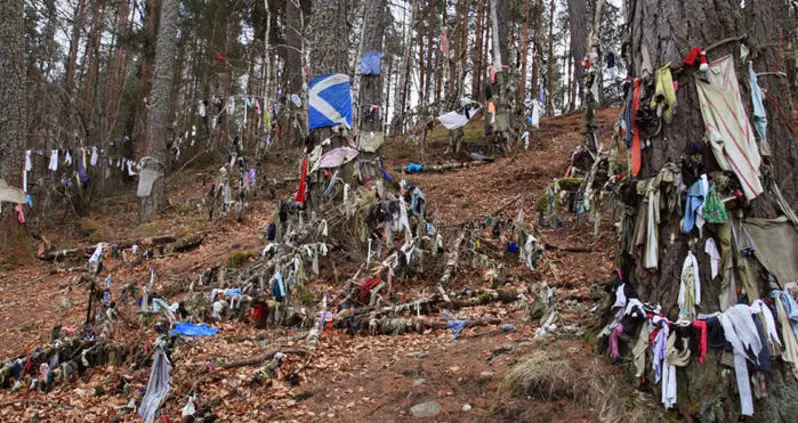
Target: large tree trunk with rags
(158, 119)
(579, 21)
(13, 122)
(329, 54)
(370, 93)
(499, 14)
(669, 30)
(293, 121)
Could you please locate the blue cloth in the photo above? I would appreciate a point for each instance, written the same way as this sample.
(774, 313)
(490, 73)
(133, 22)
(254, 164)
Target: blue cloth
(412, 167)
(760, 116)
(330, 100)
(370, 63)
(233, 292)
(763, 362)
(82, 174)
(511, 247)
(790, 307)
(386, 175)
(414, 203)
(193, 331)
(278, 289)
(456, 326)
(695, 200)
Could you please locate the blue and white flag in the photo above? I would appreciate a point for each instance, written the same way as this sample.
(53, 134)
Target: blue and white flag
(330, 100)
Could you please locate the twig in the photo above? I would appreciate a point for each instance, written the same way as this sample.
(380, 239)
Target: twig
(261, 358)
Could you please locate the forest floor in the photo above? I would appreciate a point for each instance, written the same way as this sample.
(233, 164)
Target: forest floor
(348, 378)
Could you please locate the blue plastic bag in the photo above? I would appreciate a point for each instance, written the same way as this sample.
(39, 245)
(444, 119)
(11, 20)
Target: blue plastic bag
(193, 331)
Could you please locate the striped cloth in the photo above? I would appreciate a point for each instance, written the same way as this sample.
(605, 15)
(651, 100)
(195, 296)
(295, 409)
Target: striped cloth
(727, 125)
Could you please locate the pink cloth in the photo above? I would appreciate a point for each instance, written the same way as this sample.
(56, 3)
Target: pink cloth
(337, 157)
(613, 347)
(20, 213)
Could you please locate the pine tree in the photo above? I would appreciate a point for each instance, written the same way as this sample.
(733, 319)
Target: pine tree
(158, 118)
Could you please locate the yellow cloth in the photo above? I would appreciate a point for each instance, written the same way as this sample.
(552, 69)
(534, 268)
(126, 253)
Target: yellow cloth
(491, 107)
(664, 99)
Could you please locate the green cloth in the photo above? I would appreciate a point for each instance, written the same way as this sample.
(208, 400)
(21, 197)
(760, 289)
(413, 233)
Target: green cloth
(714, 209)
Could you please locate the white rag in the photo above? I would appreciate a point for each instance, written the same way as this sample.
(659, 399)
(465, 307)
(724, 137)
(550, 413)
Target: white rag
(714, 256)
(94, 156)
(620, 297)
(740, 331)
(53, 160)
(690, 265)
(97, 253)
(535, 114)
(759, 307)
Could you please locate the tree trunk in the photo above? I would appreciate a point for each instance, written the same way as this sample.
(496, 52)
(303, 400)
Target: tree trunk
(463, 50)
(329, 54)
(421, 67)
(405, 75)
(669, 31)
(371, 85)
(765, 23)
(500, 58)
(431, 21)
(579, 21)
(77, 28)
(550, 63)
(534, 78)
(524, 54)
(370, 93)
(478, 69)
(13, 124)
(292, 123)
(158, 119)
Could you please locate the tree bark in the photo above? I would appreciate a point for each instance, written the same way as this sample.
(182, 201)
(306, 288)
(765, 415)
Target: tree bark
(550, 63)
(405, 75)
(329, 54)
(500, 58)
(477, 70)
(13, 124)
(524, 54)
(534, 78)
(292, 123)
(578, 23)
(158, 119)
(669, 31)
(421, 65)
(370, 92)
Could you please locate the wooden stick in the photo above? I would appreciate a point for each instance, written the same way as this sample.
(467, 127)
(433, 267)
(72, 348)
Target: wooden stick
(251, 361)
(85, 251)
(443, 167)
(504, 206)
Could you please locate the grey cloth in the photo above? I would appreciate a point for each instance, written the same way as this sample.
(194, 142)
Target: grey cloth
(147, 178)
(776, 245)
(158, 386)
(9, 194)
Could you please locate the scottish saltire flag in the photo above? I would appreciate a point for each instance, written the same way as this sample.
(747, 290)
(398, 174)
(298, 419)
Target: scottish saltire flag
(330, 101)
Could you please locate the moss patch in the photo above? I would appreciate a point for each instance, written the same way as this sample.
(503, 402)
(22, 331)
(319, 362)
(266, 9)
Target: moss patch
(238, 258)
